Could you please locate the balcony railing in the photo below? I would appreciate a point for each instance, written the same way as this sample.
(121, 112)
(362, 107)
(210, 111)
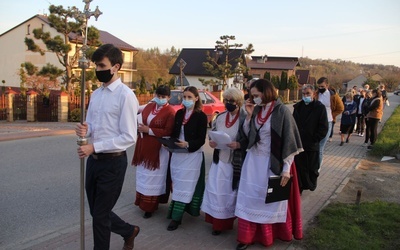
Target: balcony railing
(125, 66)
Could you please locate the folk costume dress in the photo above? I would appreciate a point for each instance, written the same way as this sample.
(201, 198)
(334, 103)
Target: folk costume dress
(151, 159)
(221, 190)
(273, 142)
(187, 169)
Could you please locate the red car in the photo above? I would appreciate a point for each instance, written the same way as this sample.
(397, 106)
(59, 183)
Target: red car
(211, 104)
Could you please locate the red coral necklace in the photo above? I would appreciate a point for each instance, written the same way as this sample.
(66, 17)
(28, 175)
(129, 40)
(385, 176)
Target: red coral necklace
(228, 123)
(261, 120)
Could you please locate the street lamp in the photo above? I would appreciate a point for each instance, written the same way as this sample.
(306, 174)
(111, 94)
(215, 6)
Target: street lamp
(84, 64)
(238, 79)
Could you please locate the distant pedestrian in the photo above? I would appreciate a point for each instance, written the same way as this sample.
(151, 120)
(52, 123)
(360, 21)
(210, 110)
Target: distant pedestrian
(384, 95)
(348, 119)
(334, 106)
(360, 113)
(111, 127)
(375, 112)
(312, 122)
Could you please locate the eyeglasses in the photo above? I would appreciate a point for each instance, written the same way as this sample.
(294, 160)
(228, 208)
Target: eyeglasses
(229, 101)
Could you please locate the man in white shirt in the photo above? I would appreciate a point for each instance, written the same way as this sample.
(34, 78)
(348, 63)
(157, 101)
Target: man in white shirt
(111, 126)
(334, 106)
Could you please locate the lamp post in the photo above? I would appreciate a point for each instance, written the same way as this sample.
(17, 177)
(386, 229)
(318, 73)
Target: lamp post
(84, 64)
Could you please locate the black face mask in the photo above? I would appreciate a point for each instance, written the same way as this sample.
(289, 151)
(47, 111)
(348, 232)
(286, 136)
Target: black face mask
(104, 76)
(322, 90)
(230, 107)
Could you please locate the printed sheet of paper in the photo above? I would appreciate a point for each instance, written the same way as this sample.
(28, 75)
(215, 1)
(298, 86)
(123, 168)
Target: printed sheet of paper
(221, 138)
(140, 121)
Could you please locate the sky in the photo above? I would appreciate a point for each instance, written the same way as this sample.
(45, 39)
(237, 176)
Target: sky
(361, 31)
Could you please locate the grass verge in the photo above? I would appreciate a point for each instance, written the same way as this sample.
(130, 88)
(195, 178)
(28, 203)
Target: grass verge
(372, 225)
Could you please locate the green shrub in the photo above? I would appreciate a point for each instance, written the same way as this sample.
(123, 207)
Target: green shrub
(75, 115)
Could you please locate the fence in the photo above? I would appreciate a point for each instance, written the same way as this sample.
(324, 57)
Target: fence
(3, 110)
(19, 107)
(47, 108)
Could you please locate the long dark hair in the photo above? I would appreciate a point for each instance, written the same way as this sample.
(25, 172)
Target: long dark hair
(198, 105)
(267, 88)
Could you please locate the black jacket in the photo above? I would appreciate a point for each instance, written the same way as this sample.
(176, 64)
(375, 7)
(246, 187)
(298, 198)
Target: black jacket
(195, 129)
(312, 122)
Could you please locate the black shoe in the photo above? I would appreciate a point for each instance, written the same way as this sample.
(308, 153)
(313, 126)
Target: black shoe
(241, 246)
(347, 140)
(173, 225)
(369, 147)
(216, 232)
(341, 143)
(147, 215)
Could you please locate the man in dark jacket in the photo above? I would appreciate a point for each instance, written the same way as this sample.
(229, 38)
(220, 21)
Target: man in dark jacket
(311, 119)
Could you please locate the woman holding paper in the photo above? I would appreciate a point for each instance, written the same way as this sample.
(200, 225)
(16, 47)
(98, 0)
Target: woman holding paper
(187, 169)
(150, 159)
(223, 178)
(273, 141)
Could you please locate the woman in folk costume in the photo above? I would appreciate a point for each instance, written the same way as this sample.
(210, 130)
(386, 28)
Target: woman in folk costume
(150, 159)
(187, 169)
(273, 141)
(223, 178)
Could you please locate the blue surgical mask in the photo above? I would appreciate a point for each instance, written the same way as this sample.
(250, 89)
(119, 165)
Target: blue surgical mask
(160, 102)
(257, 100)
(188, 103)
(307, 99)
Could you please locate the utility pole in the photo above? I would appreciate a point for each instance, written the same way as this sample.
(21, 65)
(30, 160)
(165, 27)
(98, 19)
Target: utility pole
(181, 65)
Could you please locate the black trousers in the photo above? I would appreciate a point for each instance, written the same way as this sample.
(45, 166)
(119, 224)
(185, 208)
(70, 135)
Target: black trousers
(307, 166)
(360, 123)
(372, 130)
(104, 180)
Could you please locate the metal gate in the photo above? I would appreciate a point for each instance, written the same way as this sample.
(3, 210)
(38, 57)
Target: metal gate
(3, 108)
(47, 108)
(19, 107)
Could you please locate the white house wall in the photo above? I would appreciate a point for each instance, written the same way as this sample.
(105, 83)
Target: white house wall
(194, 81)
(14, 51)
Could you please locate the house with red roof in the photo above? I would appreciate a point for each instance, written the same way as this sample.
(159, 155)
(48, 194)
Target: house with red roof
(259, 65)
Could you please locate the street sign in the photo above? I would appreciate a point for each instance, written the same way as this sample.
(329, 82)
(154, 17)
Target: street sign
(181, 63)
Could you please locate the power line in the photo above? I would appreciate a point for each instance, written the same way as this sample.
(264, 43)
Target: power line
(387, 53)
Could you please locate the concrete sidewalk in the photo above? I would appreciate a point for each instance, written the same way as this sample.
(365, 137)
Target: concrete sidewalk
(194, 233)
(23, 129)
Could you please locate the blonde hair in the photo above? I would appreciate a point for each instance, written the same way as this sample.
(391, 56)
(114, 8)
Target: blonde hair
(349, 95)
(235, 94)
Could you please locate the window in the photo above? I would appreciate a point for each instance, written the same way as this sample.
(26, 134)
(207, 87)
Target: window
(28, 29)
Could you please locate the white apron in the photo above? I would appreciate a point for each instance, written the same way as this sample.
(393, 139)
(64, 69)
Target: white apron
(253, 184)
(219, 199)
(153, 182)
(185, 173)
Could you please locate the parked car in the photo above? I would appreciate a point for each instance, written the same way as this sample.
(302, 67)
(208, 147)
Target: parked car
(396, 92)
(211, 104)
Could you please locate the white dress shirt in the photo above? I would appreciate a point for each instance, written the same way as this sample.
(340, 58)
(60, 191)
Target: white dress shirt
(325, 98)
(112, 118)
